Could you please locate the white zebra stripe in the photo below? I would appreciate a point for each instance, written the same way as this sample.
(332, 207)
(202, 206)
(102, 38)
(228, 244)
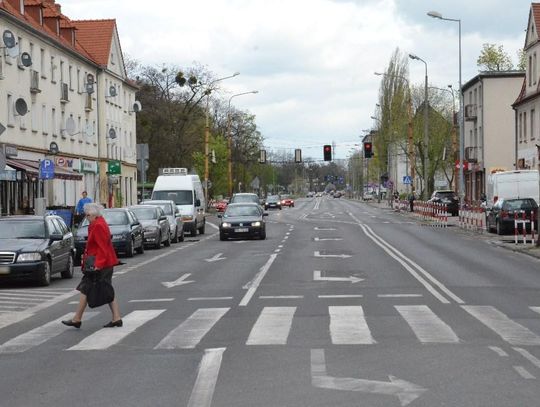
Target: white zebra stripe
(427, 326)
(272, 326)
(348, 326)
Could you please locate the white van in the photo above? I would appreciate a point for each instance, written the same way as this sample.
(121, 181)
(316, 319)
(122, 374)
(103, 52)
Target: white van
(186, 191)
(512, 184)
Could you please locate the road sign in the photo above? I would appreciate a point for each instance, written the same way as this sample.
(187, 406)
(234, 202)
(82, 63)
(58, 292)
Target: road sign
(407, 180)
(114, 167)
(46, 169)
(2, 128)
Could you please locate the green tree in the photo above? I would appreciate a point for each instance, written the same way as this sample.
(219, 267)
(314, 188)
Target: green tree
(494, 58)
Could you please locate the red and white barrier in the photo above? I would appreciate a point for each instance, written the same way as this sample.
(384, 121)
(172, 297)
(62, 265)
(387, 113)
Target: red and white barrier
(472, 218)
(521, 219)
(434, 213)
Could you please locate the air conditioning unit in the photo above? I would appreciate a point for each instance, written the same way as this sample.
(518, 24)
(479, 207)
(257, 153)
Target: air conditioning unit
(64, 97)
(34, 82)
(470, 112)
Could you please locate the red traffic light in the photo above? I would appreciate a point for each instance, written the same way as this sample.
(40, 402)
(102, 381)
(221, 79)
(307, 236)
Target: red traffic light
(368, 149)
(327, 152)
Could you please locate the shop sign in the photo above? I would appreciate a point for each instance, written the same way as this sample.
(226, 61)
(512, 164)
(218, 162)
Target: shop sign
(10, 151)
(88, 166)
(64, 162)
(8, 175)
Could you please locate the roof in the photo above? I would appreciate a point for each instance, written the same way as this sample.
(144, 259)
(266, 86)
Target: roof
(492, 74)
(96, 37)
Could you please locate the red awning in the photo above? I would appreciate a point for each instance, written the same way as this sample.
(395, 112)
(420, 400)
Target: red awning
(32, 168)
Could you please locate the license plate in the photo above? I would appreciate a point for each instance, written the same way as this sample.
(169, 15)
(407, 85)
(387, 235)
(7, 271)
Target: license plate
(241, 230)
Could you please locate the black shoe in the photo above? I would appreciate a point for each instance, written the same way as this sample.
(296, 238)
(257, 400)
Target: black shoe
(69, 322)
(114, 324)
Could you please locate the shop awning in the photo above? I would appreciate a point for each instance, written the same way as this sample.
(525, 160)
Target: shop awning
(32, 168)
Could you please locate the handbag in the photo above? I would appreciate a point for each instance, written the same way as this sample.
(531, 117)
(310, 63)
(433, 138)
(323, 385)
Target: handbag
(89, 264)
(100, 291)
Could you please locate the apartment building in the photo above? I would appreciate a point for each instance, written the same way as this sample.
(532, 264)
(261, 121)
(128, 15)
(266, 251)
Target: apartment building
(61, 98)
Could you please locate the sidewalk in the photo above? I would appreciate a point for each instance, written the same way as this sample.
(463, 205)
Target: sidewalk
(505, 241)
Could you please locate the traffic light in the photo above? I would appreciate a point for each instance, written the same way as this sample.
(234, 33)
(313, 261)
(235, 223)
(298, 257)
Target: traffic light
(368, 149)
(327, 152)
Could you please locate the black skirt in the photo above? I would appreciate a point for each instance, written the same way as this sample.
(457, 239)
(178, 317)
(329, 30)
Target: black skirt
(105, 274)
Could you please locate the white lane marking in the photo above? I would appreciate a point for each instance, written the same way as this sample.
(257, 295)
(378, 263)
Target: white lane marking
(348, 326)
(317, 228)
(498, 351)
(341, 296)
(107, 337)
(277, 250)
(25, 296)
(271, 297)
(209, 298)
(322, 239)
(510, 331)
(427, 326)
(39, 335)
(280, 246)
(217, 257)
(154, 300)
(342, 256)
(180, 281)
(203, 390)
(317, 276)
(535, 309)
(272, 326)
(530, 357)
(524, 372)
(254, 284)
(214, 226)
(399, 295)
(189, 333)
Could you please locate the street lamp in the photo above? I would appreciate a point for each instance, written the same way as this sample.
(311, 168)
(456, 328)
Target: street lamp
(438, 15)
(426, 118)
(409, 126)
(207, 132)
(229, 139)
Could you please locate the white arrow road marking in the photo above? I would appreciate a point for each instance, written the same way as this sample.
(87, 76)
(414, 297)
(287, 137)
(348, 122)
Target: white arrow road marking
(407, 392)
(317, 276)
(318, 239)
(204, 387)
(180, 281)
(342, 256)
(217, 257)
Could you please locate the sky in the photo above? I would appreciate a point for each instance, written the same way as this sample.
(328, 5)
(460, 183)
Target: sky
(311, 61)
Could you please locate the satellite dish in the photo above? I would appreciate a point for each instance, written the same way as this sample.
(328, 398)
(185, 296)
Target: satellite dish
(70, 126)
(21, 107)
(89, 130)
(112, 91)
(112, 133)
(53, 148)
(26, 59)
(137, 106)
(9, 39)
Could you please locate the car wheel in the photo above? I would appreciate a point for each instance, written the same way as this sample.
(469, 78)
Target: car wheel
(499, 228)
(175, 238)
(130, 249)
(201, 229)
(45, 278)
(181, 238)
(157, 245)
(167, 242)
(78, 260)
(140, 249)
(263, 235)
(68, 271)
(222, 237)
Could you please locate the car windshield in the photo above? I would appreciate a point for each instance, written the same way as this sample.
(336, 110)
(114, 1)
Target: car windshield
(115, 218)
(518, 204)
(179, 197)
(445, 194)
(145, 213)
(25, 229)
(245, 198)
(166, 207)
(273, 198)
(242, 211)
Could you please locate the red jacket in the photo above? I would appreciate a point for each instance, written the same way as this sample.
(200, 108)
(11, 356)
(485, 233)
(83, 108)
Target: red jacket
(99, 244)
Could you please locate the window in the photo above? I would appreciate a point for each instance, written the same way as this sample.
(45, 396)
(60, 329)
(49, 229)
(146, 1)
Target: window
(529, 73)
(70, 77)
(10, 111)
(53, 122)
(34, 117)
(524, 127)
(44, 122)
(533, 130)
(534, 69)
(42, 62)
(62, 72)
(79, 80)
(520, 130)
(53, 69)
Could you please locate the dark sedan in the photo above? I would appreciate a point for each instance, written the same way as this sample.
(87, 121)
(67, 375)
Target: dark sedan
(242, 220)
(272, 201)
(500, 217)
(448, 198)
(34, 248)
(155, 223)
(126, 231)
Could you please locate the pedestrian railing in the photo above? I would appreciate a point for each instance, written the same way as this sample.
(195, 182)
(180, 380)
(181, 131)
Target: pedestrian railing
(524, 219)
(472, 218)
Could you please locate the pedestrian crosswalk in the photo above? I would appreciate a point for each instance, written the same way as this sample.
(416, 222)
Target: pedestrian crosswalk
(15, 300)
(274, 326)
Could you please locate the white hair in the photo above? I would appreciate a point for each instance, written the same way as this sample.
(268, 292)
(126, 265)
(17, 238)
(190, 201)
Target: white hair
(93, 208)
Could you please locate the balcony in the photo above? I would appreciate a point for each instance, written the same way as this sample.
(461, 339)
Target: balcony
(471, 112)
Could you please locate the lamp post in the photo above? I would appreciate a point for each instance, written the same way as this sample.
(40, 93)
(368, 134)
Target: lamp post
(438, 15)
(409, 126)
(229, 140)
(378, 166)
(207, 132)
(426, 127)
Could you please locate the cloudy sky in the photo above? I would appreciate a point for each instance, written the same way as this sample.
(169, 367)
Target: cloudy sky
(312, 61)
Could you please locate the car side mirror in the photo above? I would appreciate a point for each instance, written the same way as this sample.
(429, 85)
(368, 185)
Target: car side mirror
(163, 217)
(135, 224)
(197, 202)
(220, 215)
(265, 214)
(56, 236)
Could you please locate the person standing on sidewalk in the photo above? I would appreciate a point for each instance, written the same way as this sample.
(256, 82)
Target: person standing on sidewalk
(100, 246)
(79, 210)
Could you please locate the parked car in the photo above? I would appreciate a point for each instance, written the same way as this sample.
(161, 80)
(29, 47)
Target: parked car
(221, 205)
(155, 225)
(244, 197)
(34, 248)
(272, 201)
(242, 220)
(174, 217)
(500, 217)
(448, 198)
(126, 232)
(286, 200)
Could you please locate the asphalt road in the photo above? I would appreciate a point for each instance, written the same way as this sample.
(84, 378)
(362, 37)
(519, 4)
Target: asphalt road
(344, 304)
